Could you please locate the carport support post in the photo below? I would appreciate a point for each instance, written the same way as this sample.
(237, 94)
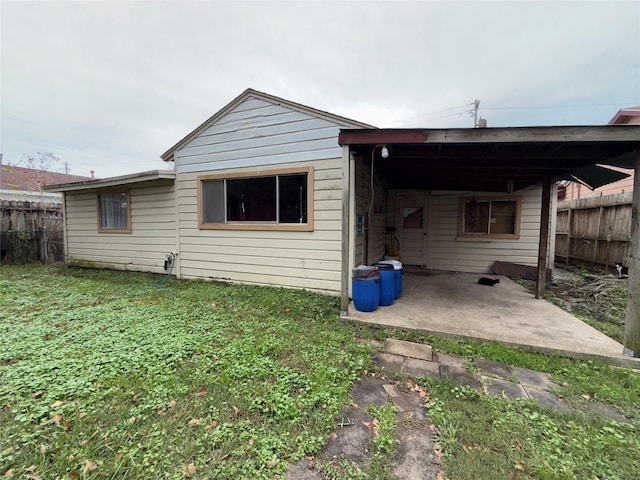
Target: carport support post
(346, 235)
(632, 320)
(543, 246)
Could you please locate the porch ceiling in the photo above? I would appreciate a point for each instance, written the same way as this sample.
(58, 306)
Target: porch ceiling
(489, 159)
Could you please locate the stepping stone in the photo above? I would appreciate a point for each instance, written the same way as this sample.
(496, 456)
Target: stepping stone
(532, 378)
(389, 361)
(349, 442)
(600, 409)
(461, 377)
(415, 458)
(499, 388)
(408, 349)
(398, 398)
(421, 368)
(547, 399)
(450, 360)
(368, 390)
(491, 368)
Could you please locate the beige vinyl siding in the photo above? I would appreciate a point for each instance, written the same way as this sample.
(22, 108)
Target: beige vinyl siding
(258, 135)
(445, 251)
(296, 259)
(152, 234)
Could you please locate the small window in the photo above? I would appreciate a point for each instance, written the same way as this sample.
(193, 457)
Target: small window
(412, 217)
(114, 212)
(490, 217)
(279, 200)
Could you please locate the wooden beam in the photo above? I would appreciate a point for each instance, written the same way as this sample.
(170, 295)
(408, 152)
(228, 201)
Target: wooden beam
(346, 219)
(543, 245)
(375, 137)
(556, 135)
(632, 320)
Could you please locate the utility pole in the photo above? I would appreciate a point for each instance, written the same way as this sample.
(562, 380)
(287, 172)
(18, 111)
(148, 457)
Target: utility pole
(476, 104)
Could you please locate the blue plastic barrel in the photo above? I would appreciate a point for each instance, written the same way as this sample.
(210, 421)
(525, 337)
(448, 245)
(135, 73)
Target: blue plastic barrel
(398, 271)
(387, 284)
(366, 293)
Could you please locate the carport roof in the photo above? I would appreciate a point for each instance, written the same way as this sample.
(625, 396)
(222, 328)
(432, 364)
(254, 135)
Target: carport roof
(494, 159)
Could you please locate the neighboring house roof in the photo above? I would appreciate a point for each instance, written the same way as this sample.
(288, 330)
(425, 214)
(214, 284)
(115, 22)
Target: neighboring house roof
(32, 180)
(168, 156)
(114, 181)
(624, 116)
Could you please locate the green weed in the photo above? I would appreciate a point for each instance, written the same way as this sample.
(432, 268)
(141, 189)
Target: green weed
(207, 379)
(486, 438)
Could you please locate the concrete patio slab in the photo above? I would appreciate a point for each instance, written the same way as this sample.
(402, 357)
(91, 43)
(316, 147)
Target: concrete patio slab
(453, 304)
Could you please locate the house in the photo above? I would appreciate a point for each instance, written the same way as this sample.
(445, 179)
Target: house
(574, 190)
(27, 184)
(269, 191)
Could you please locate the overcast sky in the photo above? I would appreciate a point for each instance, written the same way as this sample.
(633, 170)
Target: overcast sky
(109, 86)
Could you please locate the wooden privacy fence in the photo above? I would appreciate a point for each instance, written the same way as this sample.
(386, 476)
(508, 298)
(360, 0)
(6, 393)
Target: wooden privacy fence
(594, 232)
(31, 232)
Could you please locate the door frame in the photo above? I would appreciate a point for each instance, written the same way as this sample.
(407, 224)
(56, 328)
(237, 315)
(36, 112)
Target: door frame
(412, 198)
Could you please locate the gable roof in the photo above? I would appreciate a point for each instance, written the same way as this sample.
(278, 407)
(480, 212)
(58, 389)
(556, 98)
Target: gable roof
(344, 122)
(32, 180)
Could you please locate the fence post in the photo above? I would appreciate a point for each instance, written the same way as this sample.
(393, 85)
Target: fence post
(632, 319)
(45, 244)
(569, 232)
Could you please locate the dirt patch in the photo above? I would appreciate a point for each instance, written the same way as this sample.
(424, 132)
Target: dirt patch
(349, 445)
(598, 298)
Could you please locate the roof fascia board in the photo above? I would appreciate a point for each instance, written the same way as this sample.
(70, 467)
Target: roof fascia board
(169, 155)
(113, 181)
(560, 134)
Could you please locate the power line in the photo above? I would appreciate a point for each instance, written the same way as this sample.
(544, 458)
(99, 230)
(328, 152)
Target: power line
(461, 110)
(532, 107)
(432, 113)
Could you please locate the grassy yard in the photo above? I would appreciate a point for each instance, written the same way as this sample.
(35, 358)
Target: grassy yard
(107, 375)
(104, 377)
(486, 438)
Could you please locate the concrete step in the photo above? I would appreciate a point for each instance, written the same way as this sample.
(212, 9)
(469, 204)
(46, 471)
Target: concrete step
(408, 349)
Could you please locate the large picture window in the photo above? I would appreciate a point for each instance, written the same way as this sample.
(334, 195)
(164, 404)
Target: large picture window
(490, 217)
(275, 200)
(114, 212)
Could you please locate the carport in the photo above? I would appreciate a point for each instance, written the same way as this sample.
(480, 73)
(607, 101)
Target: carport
(506, 160)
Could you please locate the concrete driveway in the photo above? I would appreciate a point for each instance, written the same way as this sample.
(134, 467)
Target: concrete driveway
(453, 304)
